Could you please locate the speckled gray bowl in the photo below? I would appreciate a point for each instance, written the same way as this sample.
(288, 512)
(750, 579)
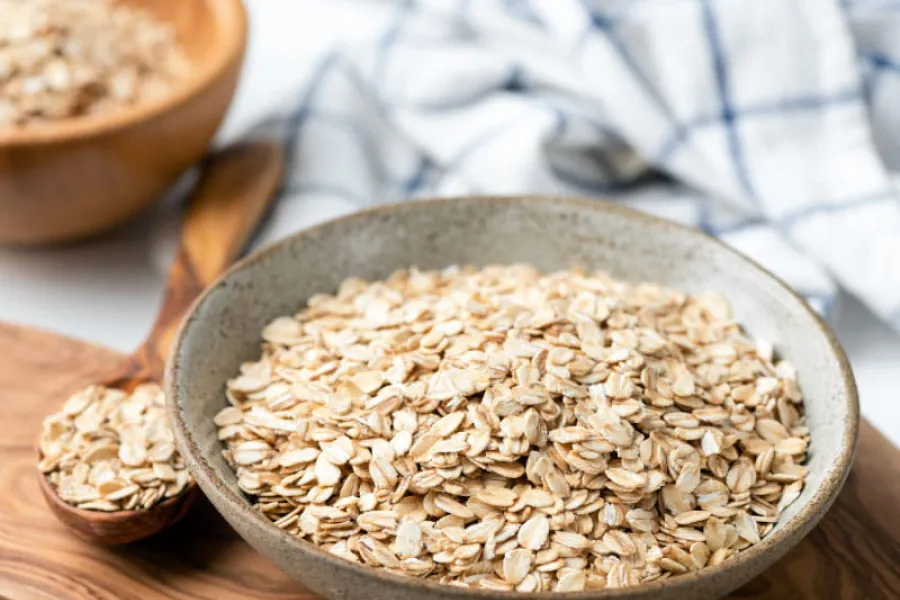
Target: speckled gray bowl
(551, 233)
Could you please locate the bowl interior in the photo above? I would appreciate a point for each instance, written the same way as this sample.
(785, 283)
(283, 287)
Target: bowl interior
(224, 329)
(201, 25)
(213, 35)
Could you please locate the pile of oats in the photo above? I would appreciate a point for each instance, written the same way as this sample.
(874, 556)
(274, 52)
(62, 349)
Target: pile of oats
(62, 59)
(508, 430)
(108, 450)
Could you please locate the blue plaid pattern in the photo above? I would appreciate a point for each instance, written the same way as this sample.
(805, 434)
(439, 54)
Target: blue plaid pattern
(769, 123)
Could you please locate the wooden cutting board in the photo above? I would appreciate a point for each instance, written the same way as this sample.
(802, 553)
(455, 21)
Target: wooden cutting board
(853, 554)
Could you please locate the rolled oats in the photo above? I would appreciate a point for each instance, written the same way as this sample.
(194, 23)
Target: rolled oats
(108, 450)
(507, 430)
(64, 59)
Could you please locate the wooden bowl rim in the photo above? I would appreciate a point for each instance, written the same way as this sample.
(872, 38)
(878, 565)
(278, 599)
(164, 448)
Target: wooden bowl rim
(228, 49)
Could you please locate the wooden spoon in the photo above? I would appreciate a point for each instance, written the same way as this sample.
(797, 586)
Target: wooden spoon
(229, 201)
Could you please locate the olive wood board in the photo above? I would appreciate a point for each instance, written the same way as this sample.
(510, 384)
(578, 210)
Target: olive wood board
(853, 554)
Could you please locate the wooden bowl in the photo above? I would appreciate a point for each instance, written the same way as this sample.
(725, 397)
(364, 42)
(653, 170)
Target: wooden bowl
(223, 330)
(81, 176)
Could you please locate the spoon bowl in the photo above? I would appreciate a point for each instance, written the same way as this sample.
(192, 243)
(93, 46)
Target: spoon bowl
(231, 198)
(123, 526)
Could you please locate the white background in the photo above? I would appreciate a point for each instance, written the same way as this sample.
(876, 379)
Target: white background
(107, 290)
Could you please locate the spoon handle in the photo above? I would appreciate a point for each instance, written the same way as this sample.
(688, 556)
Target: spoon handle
(235, 189)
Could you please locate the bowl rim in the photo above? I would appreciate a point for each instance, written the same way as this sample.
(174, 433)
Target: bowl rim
(229, 50)
(777, 543)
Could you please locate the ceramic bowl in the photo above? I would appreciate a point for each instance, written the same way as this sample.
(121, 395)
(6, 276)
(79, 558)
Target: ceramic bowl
(77, 177)
(224, 327)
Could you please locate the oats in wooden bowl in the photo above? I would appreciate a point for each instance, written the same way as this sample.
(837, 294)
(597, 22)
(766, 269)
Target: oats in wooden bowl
(62, 60)
(104, 103)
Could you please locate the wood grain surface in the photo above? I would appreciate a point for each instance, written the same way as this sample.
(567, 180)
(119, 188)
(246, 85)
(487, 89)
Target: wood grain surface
(854, 554)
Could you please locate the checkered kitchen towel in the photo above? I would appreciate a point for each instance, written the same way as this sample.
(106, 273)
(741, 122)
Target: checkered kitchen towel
(770, 123)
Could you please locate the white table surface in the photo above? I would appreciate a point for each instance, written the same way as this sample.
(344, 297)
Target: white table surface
(107, 290)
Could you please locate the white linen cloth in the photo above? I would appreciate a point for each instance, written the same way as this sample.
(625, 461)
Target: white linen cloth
(773, 124)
